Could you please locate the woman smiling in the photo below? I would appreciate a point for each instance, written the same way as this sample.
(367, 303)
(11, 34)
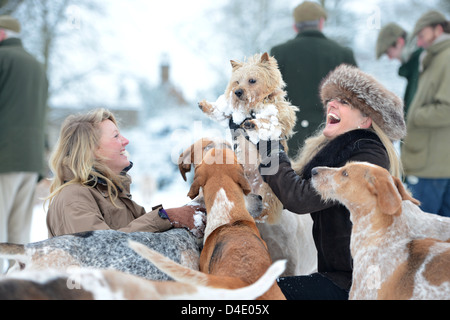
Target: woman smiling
(362, 120)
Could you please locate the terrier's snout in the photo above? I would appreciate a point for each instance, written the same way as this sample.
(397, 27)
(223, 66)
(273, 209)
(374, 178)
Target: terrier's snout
(239, 93)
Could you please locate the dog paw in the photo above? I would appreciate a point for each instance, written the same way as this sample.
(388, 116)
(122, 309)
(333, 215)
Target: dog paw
(205, 106)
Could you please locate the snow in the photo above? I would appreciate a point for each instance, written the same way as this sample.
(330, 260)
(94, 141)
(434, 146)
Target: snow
(265, 118)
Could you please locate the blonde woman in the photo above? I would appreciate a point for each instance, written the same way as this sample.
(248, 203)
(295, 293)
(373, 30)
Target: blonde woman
(362, 120)
(91, 187)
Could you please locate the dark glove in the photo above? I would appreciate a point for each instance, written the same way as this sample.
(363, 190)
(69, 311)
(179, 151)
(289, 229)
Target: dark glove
(236, 130)
(232, 125)
(270, 152)
(268, 147)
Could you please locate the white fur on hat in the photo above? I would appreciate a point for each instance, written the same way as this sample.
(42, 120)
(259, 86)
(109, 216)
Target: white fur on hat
(364, 92)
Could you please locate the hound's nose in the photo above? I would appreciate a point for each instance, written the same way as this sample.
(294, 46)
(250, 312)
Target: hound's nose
(314, 172)
(239, 92)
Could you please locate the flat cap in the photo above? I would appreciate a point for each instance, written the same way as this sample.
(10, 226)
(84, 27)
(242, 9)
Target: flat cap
(9, 23)
(309, 11)
(428, 19)
(388, 35)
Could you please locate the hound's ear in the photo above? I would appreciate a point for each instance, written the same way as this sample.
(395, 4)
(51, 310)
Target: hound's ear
(192, 156)
(185, 162)
(243, 183)
(199, 181)
(388, 198)
(403, 192)
(265, 57)
(235, 64)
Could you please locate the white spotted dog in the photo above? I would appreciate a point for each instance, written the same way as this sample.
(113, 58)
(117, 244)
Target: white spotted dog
(94, 284)
(399, 251)
(104, 249)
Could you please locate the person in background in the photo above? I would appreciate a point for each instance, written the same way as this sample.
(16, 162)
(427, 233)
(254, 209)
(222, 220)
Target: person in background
(303, 62)
(23, 101)
(394, 42)
(91, 187)
(426, 149)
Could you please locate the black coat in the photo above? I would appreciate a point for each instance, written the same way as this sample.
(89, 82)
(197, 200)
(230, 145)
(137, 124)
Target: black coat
(332, 225)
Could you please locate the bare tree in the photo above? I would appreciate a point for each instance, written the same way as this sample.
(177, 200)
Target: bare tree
(49, 31)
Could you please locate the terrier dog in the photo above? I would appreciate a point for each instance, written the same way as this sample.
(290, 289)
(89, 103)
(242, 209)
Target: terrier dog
(255, 100)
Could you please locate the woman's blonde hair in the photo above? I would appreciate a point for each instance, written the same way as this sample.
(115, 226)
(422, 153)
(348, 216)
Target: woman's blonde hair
(75, 151)
(315, 143)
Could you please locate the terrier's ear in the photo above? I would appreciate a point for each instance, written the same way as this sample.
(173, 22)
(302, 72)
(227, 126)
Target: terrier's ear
(265, 57)
(235, 64)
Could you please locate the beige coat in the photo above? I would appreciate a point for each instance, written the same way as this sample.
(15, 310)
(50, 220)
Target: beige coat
(80, 208)
(426, 149)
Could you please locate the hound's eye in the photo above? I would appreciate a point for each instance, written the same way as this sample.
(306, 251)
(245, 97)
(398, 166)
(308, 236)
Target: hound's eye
(237, 82)
(345, 173)
(252, 81)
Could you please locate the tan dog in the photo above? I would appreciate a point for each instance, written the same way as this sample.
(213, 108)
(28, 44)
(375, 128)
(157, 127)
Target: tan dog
(255, 98)
(194, 154)
(287, 235)
(233, 249)
(91, 284)
(399, 251)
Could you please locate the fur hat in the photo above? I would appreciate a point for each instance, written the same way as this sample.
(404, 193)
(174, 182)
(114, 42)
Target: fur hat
(362, 91)
(9, 23)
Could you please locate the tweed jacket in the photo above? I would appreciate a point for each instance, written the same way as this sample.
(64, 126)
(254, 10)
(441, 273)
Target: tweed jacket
(23, 99)
(332, 225)
(303, 62)
(426, 148)
(80, 208)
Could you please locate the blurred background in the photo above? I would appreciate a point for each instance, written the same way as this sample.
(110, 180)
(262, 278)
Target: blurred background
(150, 62)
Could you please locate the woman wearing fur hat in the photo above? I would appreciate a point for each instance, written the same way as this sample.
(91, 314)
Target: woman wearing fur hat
(362, 120)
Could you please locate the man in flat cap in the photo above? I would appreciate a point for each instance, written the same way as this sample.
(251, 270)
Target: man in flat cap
(426, 149)
(23, 96)
(304, 61)
(393, 41)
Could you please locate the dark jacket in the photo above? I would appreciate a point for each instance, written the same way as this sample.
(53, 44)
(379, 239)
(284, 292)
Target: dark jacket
(304, 61)
(332, 225)
(23, 98)
(410, 70)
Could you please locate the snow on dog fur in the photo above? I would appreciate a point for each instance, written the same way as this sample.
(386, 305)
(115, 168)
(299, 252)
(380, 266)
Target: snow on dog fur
(255, 98)
(398, 251)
